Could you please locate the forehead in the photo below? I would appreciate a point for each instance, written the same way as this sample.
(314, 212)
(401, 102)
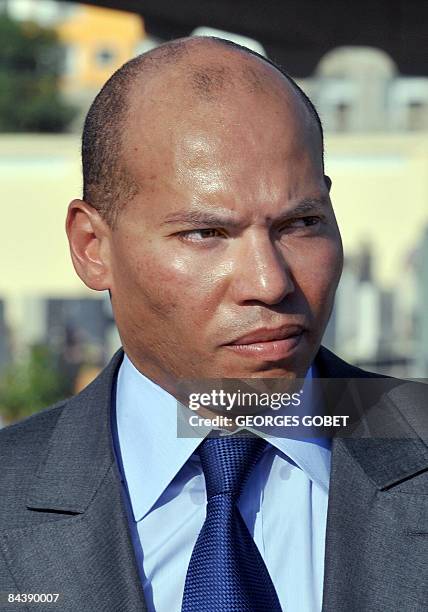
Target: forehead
(215, 123)
(207, 99)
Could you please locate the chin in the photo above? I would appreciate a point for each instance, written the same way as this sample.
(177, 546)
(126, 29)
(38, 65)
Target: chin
(261, 370)
(277, 371)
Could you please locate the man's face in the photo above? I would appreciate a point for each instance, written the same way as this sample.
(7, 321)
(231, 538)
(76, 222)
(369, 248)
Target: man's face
(227, 262)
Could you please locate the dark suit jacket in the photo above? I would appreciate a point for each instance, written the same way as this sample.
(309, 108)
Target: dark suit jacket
(63, 525)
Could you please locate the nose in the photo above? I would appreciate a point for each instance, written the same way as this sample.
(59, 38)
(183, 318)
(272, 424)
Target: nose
(261, 272)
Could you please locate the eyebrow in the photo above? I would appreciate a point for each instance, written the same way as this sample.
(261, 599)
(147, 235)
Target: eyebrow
(197, 218)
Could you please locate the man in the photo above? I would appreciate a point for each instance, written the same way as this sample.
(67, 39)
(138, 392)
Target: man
(206, 215)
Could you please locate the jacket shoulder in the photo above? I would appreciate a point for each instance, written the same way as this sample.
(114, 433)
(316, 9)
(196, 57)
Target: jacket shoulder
(331, 365)
(32, 429)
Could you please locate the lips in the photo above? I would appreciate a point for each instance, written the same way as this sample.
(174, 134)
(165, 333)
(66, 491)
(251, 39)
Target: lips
(269, 335)
(268, 344)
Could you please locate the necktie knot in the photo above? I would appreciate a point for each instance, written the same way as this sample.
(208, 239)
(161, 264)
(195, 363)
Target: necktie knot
(227, 463)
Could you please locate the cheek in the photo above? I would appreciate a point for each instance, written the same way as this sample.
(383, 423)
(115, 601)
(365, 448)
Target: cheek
(318, 273)
(170, 285)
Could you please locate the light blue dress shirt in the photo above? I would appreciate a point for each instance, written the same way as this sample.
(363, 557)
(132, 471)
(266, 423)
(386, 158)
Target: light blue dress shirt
(284, 503)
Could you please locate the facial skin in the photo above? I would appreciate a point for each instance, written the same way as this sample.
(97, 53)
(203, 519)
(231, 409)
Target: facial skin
(232, 230)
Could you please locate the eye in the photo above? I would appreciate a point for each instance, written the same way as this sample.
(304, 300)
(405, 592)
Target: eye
(310, 224)
(306, 221)
(201, 235)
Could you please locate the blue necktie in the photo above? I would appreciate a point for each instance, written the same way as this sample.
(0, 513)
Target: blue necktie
(226, 572)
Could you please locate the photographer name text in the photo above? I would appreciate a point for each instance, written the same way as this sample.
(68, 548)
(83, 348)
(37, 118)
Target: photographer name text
(269, 420)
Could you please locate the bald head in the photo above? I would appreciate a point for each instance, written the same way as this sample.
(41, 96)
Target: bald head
(162, 84)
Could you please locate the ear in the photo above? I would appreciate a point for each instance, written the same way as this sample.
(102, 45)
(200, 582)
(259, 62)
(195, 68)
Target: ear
(327, 181)
(89, 240)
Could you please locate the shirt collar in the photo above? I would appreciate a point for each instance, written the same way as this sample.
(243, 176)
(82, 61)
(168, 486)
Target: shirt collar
(310, 454)
(153, 454)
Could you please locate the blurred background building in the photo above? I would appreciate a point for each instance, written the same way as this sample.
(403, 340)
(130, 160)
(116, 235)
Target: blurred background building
(373, 101)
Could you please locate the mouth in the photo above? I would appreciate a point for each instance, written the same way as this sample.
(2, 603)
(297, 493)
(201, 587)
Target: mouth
(268, 344)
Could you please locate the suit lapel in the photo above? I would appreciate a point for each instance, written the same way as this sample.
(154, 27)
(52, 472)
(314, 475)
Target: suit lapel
(377, 519)
(78, 542)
